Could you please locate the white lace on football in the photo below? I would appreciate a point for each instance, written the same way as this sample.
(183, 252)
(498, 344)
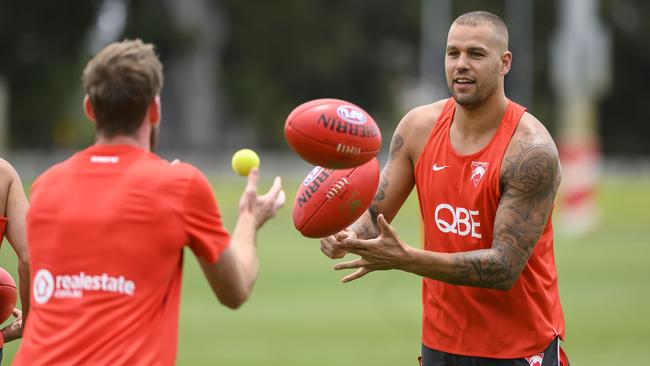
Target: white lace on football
(337, 188)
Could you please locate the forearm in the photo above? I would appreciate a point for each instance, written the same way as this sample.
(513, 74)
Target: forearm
(480, 268)
(366, 226)
(244, 249)
(24, 285)
(233, 275)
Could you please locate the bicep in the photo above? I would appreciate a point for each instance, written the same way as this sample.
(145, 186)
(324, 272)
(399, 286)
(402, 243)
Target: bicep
(530, 178)
(16, 212)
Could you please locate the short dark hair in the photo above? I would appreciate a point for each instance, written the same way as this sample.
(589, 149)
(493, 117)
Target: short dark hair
(121, 81)
(475, 18)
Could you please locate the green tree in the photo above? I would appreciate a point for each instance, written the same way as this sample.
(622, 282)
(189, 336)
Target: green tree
(41, 43)
(286, 52)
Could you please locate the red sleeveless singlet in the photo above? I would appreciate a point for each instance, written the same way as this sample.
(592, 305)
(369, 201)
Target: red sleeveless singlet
(459, 196)
(3, 226)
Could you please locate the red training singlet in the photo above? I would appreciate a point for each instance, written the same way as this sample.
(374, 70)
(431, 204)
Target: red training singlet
(106, 231)
(3, 226)
(459, 196)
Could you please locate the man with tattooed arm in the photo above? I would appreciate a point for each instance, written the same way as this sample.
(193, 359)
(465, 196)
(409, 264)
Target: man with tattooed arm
(486, 174)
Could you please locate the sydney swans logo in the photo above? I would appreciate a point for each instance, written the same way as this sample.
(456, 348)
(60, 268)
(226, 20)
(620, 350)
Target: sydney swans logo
(479, 168)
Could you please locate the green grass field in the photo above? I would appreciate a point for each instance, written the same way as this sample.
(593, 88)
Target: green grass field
(300, 313)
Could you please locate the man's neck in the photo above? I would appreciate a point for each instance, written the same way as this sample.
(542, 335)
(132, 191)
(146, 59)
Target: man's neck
(480, 119)
(123, 140)
(473, 128)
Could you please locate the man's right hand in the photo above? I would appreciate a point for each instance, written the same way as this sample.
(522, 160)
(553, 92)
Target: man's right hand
(233, 275)
(263, 207)
(330, 246)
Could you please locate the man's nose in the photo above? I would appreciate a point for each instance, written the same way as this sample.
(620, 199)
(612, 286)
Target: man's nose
(462, 63)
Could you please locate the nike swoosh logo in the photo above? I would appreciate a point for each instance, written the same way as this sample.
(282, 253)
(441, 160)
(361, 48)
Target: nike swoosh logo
(437, 168)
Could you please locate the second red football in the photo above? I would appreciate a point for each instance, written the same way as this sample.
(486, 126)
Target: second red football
(328, 200)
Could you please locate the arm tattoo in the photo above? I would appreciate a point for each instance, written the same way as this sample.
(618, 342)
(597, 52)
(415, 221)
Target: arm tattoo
(530, 178)
(381, 194)
(396, 146)
(368, 228)
(373, 213)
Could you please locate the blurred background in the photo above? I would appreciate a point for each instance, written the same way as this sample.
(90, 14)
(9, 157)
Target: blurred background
(235, 69)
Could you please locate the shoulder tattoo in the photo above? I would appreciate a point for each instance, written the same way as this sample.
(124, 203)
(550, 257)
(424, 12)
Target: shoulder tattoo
(529, 181)
(532, 174)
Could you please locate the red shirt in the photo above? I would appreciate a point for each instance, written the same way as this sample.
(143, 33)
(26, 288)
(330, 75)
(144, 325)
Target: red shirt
(106, 232)
(459, 196)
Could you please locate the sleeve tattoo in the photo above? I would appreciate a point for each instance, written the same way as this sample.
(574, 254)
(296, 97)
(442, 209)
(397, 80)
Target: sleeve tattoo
(530, 178)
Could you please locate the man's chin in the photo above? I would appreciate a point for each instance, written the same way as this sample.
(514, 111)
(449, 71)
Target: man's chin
(466, 100)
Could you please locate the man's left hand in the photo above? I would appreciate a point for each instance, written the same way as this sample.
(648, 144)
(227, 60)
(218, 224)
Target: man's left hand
(386, 251)
(14, 330)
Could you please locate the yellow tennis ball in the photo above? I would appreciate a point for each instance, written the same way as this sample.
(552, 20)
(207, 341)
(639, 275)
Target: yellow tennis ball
(244, 160)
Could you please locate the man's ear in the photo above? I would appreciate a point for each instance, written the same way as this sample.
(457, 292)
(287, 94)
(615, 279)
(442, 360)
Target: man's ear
(88, 108)
(154, 110)
(506, 62)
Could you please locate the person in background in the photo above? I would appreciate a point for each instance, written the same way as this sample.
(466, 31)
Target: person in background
(108, 228)
(13, 209)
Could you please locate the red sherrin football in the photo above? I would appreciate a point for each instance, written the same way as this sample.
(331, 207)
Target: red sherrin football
(332, 133)
(7, 294)
(328, 200)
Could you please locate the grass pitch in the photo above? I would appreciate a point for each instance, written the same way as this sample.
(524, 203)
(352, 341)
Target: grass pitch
(300, 313)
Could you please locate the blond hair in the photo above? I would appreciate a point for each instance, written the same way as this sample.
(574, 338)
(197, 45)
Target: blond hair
(121, 81)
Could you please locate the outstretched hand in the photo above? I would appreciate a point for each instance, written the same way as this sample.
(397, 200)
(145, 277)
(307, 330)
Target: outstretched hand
(14, 330)
(331, 245)
(262, 207)
(381, 253)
